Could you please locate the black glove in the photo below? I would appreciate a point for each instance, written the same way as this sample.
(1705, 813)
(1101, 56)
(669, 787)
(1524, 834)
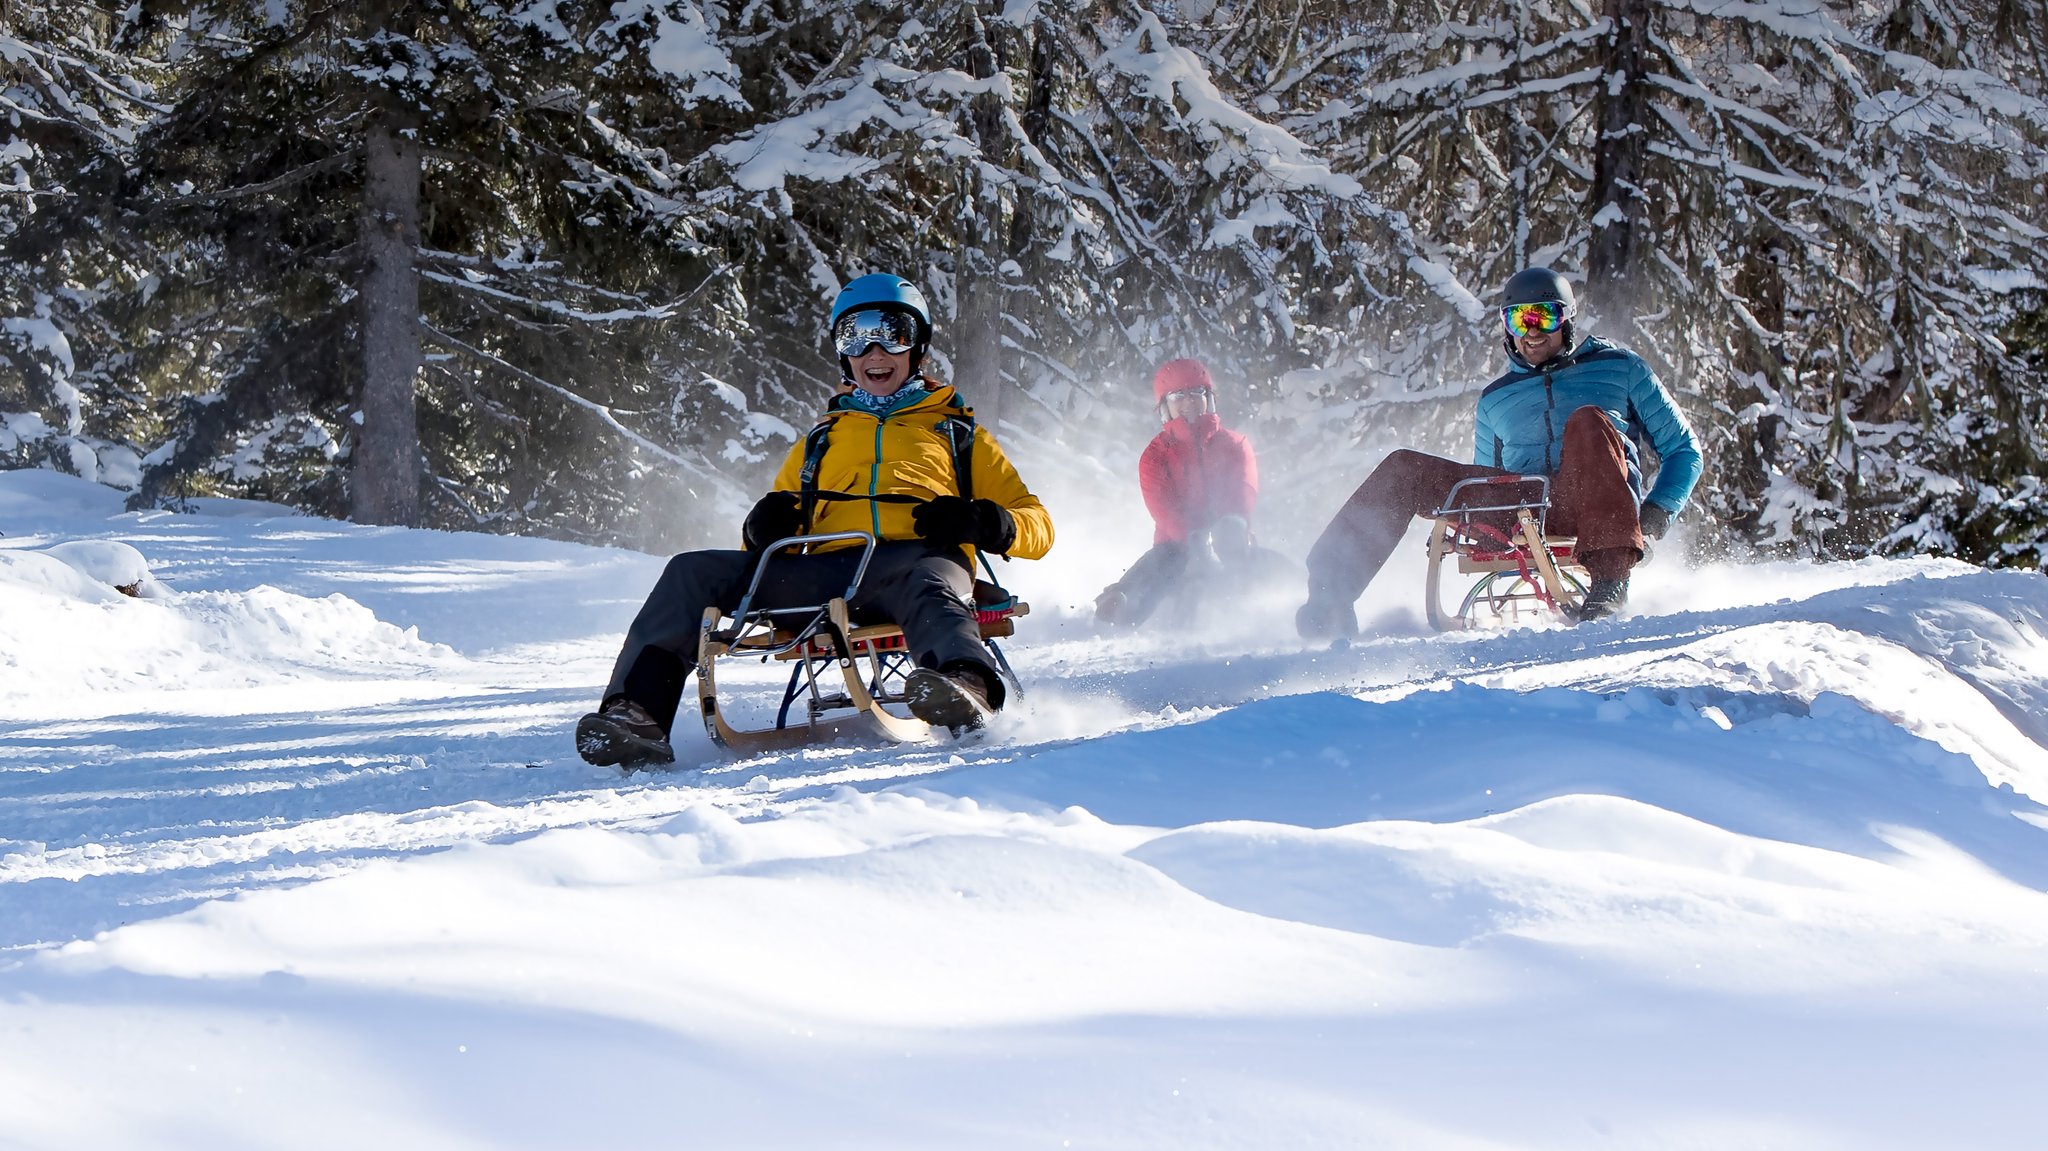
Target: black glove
(953, 521)
(776, 515)
(1655, 520)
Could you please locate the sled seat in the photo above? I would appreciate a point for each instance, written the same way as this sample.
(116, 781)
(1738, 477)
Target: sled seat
(995, 613)
(1475, 557)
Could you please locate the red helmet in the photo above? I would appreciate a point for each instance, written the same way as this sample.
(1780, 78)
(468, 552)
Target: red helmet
(1180, 376)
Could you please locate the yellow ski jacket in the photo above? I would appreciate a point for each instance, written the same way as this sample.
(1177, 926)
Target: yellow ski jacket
(907, 453)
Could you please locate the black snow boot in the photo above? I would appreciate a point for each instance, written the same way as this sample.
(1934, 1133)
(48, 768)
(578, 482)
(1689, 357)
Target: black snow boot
(1322, 618)
(956, 696)
(624, 734)
(1604, 600)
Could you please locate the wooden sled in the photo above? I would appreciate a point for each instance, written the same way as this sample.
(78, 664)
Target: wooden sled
(849, 674)
(1494, 527)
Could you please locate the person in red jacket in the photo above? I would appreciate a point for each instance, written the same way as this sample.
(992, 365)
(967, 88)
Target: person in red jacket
(1200, 481)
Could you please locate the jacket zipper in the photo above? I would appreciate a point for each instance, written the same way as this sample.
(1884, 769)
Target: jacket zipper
(875, 480)
(1550, 425)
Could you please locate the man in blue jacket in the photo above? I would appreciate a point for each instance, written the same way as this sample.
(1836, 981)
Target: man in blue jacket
(1567, 408)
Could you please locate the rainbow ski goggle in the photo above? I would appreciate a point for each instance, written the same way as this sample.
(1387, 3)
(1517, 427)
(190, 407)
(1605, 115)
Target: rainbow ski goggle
(1539, 318)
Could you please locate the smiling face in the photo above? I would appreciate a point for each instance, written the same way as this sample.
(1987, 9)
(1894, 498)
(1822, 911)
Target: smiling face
(1536, 328)
(879, 372)
(1536, 347)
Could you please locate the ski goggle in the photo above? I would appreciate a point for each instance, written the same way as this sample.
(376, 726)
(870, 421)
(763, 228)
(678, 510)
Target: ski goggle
(1536, 319)
(896, 332)
(1197, 398)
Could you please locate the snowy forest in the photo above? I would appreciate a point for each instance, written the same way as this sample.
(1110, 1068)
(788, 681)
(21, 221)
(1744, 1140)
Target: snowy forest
(541, 266)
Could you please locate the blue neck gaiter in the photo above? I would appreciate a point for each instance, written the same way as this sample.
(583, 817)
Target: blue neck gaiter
(913, 390)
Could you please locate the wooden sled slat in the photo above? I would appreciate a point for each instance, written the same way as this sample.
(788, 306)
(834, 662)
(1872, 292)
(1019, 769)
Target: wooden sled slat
(902, 729)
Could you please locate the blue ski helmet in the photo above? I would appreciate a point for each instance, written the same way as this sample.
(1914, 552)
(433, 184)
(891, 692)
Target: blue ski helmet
(883, 292)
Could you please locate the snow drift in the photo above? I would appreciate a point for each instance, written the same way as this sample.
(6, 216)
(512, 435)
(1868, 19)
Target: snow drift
(297, 852)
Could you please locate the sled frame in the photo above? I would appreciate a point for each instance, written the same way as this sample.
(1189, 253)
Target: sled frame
(1524, 573)
(844, 674)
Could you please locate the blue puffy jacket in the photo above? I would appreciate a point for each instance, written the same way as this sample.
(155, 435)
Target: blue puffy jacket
(1521, 417)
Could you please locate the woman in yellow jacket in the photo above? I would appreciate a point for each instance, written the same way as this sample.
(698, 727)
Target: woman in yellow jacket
(883, 461)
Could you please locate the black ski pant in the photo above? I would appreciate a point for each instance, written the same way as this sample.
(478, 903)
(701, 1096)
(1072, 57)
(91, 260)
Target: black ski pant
(1186, 574)
(1155, 576)
(925, 589)
(1590, 497)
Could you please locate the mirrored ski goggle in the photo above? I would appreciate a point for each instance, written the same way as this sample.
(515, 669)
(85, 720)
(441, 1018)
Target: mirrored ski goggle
(1535, 319)
(1196, 398)
(855, 331)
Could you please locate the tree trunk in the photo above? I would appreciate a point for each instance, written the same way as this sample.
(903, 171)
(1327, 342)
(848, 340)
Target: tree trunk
(1518, 132)
(1907, 379)
(385, 476)
(1619, 204)
(1026, 243)
(978, 328)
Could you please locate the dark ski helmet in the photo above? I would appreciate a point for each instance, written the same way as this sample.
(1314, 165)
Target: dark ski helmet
(886, 293)
(1536, 286)
(1540, 286)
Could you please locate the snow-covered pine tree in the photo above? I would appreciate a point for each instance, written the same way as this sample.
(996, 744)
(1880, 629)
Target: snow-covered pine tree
(1216, 229)
(73, 103)
(1389, 351)
(318, 165)
(1818, 220)
(1077, 192)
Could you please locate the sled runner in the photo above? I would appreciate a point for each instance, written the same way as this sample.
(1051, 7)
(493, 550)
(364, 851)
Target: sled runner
(846, 668)
(1494, 528)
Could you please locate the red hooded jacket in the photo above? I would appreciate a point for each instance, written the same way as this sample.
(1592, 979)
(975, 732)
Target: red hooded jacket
(1194, 474)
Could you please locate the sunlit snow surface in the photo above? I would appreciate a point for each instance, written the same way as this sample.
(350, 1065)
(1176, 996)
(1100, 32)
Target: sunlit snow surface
(295, 852)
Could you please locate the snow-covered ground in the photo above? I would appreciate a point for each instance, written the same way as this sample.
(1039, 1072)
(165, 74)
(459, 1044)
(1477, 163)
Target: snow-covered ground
(295, 852)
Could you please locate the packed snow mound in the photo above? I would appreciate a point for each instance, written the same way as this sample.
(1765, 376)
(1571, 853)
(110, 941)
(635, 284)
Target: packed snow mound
(68, 634)
(35, 575)
(1464, 752)
(111, 562)
(70, 638)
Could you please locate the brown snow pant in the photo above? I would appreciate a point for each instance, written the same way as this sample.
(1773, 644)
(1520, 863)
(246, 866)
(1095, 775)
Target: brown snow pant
(1590, 497)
